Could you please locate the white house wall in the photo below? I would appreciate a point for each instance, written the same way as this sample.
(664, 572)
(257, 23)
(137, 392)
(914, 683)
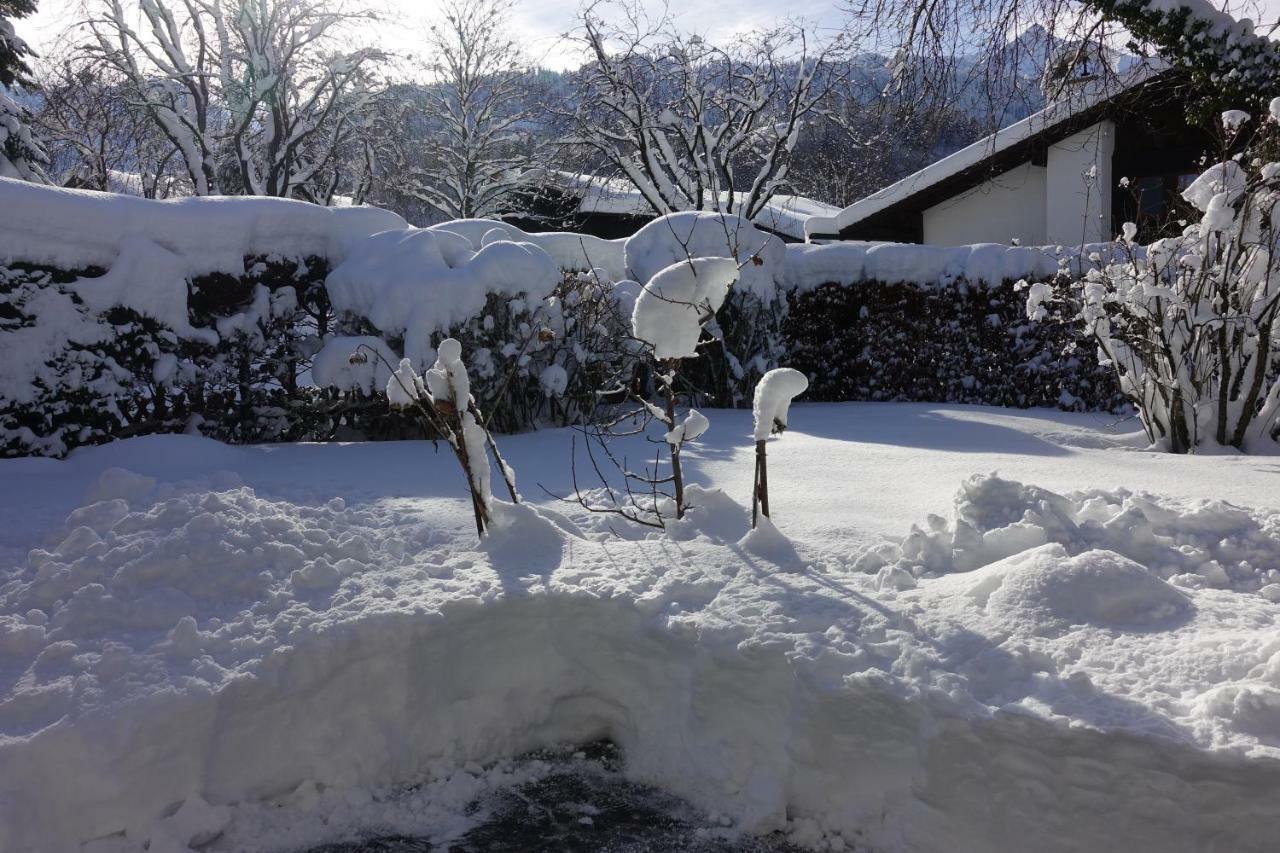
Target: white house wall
(1008, 207)
(1079, 195)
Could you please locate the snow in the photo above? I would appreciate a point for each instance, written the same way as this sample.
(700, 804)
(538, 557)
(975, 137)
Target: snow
(690, 429)
(680, 236)
(1233, 120)
(774, 393)
(783, 214)
(149, 279)
(272, 642)
(554, 380)
(409, 282)
(404, 386)
(573, 252)
(677, 300)
(353, 363)
(809, 265)
(1225, 181)
(74, 229)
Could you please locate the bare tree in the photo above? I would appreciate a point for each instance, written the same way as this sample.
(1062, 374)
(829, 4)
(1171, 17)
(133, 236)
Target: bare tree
(472, 148)
(692, 125)
(169, 66)
(294, 97)
(96, 139)
(930, 34)
(265, 84)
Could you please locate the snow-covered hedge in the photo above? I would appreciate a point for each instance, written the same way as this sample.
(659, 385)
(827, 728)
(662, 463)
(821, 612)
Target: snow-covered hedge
(239, 318)
(958, 343)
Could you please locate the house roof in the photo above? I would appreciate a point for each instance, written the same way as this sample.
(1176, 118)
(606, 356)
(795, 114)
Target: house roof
(784, 214)
(973, 164)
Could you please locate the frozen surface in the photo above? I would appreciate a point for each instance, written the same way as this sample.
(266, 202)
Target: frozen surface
(201, 640)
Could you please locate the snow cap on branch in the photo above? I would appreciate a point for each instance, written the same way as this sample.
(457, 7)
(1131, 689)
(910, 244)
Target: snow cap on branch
(774, 393)
(671, 309)
(690, 429)
(679, 236)
(404, 387)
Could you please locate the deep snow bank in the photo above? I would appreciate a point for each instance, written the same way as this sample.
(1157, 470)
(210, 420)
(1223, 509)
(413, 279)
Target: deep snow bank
(206, 643)
(74, 229)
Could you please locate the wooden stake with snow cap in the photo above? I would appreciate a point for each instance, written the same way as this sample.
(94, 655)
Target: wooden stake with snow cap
(774, 393)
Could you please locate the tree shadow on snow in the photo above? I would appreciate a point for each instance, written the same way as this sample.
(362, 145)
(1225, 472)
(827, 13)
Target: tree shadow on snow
(996, 677)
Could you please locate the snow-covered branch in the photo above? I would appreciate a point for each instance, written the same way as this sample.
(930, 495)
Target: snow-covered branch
(692, 125)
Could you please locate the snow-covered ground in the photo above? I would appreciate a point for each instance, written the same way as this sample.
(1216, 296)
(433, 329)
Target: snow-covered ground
(262, 645)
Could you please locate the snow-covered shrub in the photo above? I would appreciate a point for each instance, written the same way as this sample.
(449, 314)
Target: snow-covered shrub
(268, 320)
(543, 339)
(73, 375)
(95, 354)
(746, 331)
(442, 395)
(668, 319)
(1190, 325)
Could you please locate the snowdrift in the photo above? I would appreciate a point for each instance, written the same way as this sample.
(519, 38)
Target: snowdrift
(75, 229)
(1082, 670)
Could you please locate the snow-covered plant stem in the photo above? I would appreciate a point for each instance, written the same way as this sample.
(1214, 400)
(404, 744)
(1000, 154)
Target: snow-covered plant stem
(669, 316)
(442, 396)
(675, 439)
(760, 489)
(773, 397)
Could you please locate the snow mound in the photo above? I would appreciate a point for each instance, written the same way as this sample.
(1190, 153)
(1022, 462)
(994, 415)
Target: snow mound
(74, 229)
(181, 658)
(1044, 591)
(1193, 545)
(571, 252)
(681, 236)
(410, 282)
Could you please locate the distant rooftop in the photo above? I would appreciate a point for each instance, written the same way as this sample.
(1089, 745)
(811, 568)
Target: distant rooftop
(785, 215)
(1074, 102)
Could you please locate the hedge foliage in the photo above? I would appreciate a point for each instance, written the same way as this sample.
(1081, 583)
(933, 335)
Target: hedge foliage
(120, 374)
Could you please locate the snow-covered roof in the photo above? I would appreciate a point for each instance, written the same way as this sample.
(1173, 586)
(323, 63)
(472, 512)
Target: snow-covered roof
(1073, 102)
(784, 214)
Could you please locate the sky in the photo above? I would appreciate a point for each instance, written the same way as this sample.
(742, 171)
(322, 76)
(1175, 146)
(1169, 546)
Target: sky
(541, 24)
